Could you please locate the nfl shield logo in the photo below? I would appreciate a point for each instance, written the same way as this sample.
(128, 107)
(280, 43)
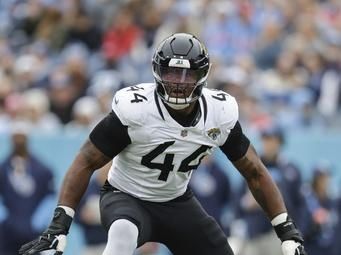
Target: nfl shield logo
(213, 133)
(184, 133)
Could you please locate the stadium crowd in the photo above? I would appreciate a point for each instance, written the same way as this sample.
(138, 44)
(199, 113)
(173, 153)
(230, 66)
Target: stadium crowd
(61, 62)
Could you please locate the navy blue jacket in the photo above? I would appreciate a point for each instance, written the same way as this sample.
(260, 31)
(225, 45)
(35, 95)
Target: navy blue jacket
(21, 193)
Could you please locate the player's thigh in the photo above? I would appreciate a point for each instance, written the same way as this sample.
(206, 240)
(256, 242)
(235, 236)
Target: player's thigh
(118, 205)
(206, 239)
(193, 231)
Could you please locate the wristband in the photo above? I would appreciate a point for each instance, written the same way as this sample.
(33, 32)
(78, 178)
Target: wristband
(68, 210)
(286, 230)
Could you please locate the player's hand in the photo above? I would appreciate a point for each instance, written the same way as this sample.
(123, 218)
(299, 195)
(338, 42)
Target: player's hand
(54, 238)
(292, 240)
(291, 247)
(43, 243)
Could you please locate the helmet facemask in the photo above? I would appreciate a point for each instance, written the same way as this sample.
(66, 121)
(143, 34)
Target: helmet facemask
(178, 87)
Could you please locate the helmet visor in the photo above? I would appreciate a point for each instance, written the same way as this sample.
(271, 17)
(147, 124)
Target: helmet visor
(178, 75)
(180, 84)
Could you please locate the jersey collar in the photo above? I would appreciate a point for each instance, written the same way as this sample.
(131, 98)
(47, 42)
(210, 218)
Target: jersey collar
(202, 108)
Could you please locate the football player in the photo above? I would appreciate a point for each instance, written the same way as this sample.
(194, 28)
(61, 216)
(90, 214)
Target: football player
(157, 134)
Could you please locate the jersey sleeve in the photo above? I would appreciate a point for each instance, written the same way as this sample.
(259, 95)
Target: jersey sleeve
(118, 104)
(128, 112)
(110, 136)
(229, 114)
(236, 144)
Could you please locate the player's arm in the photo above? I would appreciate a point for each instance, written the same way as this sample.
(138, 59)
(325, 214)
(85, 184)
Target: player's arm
(260, 183)
(106, 140)
(77, 178)
(244, 157)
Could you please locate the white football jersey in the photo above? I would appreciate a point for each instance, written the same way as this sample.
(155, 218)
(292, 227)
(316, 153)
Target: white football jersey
(158, 163)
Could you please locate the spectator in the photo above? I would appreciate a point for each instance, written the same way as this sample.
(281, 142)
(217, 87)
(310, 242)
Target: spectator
(5, 91)
(337, 245)
(238, 30)
(322, 215)
(329, 102)
(86, 113)
(62, 95)
(36, 106)
(269, 45)
(313, 62)
(81, 28)
(76, 63)
(120, 38)
(27, 68)
(26, 190)
(51, 28)
(274, 33)
(102, 86)
(279, 84)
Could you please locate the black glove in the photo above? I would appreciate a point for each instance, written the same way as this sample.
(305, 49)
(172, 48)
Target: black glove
(54, 237)
(292, 240)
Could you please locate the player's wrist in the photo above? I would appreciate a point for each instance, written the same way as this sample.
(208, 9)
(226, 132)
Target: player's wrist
(61, 221)
(286, 229)
(68, 210)
(281, 218)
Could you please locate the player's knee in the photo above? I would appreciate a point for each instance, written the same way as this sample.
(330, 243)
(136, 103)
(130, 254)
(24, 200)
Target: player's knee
(123, 229)
(122, 238)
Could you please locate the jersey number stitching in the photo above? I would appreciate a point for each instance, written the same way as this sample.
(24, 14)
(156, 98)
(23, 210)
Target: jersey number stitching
(220, 96)
(137, 100)
(167, 164)
(135, 88)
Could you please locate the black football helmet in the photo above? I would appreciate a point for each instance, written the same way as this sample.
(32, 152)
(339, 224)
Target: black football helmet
(180, 68)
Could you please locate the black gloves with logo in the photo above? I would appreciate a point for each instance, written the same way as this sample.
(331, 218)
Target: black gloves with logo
(54, 237)
(292, 240)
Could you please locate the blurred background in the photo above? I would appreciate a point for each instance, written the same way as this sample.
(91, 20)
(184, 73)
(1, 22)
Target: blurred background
(61, 62)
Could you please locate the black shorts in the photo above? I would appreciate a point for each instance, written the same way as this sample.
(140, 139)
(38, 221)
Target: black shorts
(181, 224)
